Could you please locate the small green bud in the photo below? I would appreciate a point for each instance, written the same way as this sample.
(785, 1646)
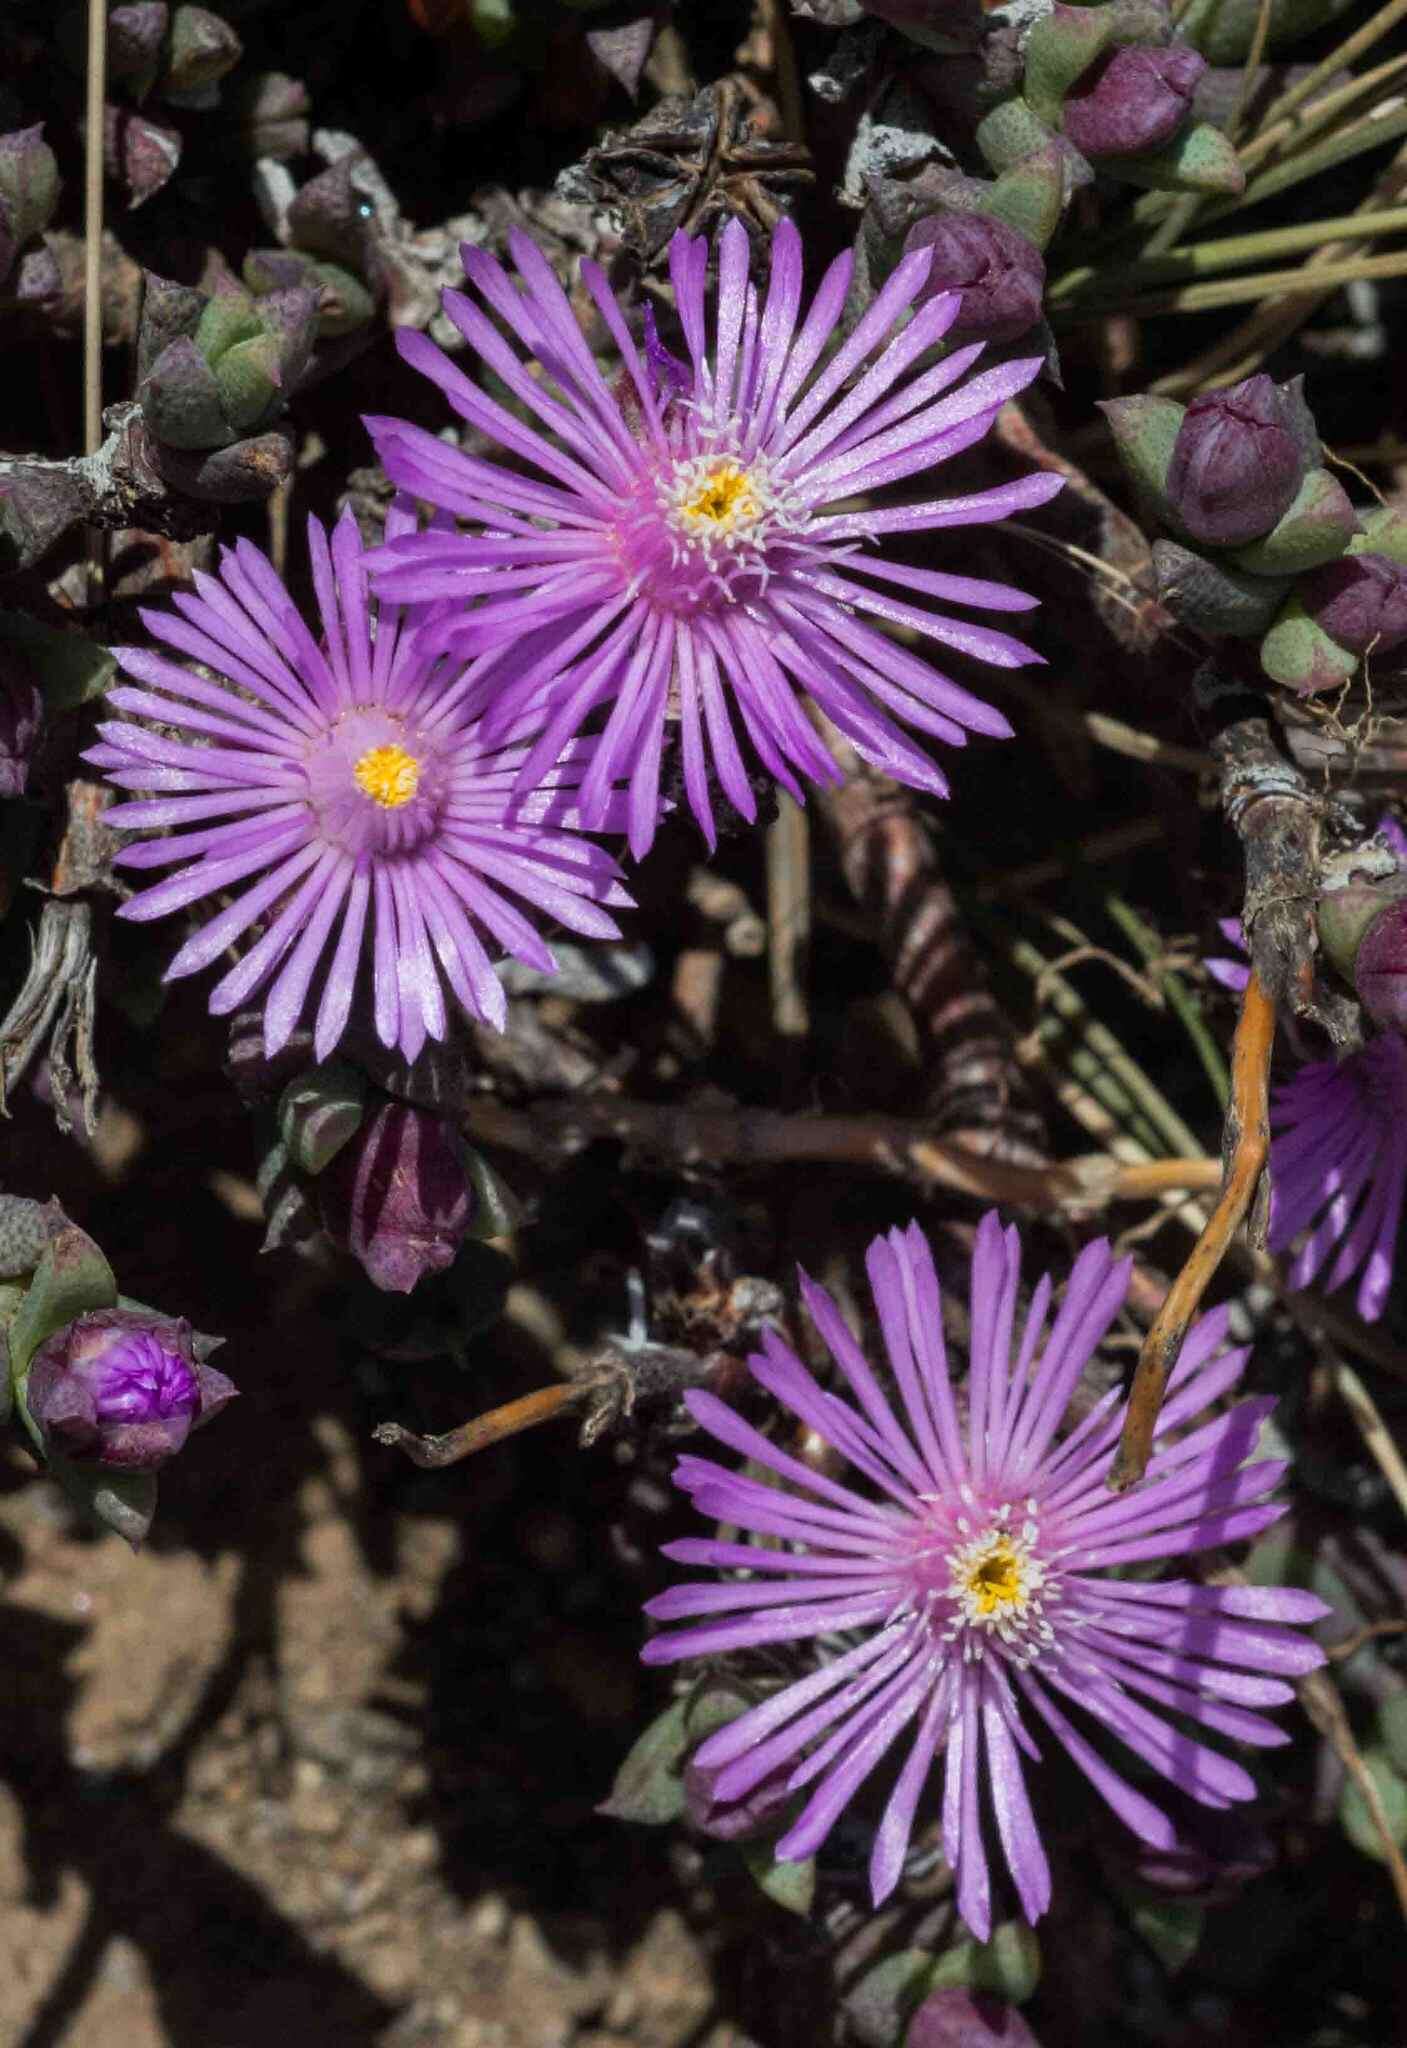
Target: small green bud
(1029, 197)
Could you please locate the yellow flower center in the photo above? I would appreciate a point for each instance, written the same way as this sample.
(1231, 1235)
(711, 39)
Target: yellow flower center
(388, 775)
(725, 497)
(995, 1578)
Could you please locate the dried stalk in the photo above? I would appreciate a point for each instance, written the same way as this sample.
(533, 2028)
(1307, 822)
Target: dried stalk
(553, 1131)
(1246, 1145)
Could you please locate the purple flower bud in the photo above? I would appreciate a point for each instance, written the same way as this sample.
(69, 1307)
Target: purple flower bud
(21, 715)
(1380, 967)
(1132, 100)
(758, 1812)
(1360, 601)
(122, 1387)
(398, 1197)
(999, 272)
(965, 2019)
(1237, 462)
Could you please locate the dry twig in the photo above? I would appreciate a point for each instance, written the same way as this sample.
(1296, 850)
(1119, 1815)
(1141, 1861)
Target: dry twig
(1246, 1144)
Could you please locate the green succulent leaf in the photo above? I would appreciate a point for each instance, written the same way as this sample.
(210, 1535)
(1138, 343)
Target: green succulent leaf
(1201, 159)
(1060, 48)
(71, 1278)
(1317, 528)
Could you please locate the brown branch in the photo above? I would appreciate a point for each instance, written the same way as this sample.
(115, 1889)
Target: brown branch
(889, 1144)
(1276, 816)
(1319, 1697)
(509, 1420)
(1246, 1144)
(118, 485)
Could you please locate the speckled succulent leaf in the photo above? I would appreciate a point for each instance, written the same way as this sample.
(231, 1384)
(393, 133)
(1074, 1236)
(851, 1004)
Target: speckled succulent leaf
(1211, 595)
(1317, 528)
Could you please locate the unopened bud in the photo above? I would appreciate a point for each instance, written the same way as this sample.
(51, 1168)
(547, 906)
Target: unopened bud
(1236, 464)
(1132, 100)
(122, 1387)
(398, 1197)
(958, 2018)
(1360, 601)
(1380, 963)
(757, 1812)
(999, 272)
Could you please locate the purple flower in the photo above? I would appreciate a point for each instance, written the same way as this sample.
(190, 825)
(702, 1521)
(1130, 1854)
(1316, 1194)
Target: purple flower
(1338, 1163)
(1338, 1156)
(969, 1595)
(350, 784)
(684, 557)
(122, 1387)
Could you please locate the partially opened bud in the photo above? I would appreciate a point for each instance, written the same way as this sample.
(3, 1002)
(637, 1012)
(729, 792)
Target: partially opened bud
(1360, 601)
(122, 1387)
(1380, 968)
(999, 272)
(398, 1197)
(1131, 100)
(1237, 463)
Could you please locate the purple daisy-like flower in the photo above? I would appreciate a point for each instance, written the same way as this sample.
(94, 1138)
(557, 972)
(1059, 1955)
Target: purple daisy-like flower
(350, 784)
(1338, 1153)
(1338, 1166)
(975, 1593)
(688, 546)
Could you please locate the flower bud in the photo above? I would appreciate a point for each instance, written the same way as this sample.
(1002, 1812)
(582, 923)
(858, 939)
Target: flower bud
(758, 1812)
(959, 2018)
(398, 1197)
(1380, 966)
(122, 1387)
(1132, 100)
(1237, 463)
(999, 272)
(21, 715)
(1360, 601)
